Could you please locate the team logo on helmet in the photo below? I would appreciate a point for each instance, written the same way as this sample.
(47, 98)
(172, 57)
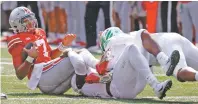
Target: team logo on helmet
(107, 34)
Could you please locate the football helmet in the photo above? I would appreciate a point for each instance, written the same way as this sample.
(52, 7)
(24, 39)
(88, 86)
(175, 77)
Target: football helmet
(22, 20)
(107, 34)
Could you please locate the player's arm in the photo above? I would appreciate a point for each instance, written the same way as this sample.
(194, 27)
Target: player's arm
(22, 68)
(149, 44)
(67, 40)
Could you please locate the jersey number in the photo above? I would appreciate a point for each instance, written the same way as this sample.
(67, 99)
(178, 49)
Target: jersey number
(41, 42)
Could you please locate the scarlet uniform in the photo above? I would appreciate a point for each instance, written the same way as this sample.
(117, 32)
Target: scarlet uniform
(17, 42)
(46, 71)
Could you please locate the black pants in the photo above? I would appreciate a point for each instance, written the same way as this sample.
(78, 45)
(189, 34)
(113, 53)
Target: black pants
(34, 7)
(91, 16)
(164, 16)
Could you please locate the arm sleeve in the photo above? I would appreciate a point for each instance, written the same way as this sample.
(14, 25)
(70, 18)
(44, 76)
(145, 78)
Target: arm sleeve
(15, 51)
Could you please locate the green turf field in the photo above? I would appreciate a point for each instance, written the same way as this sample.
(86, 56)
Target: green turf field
(18, 93)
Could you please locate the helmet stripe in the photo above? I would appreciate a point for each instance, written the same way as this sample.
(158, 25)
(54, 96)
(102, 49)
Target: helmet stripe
(109, 34)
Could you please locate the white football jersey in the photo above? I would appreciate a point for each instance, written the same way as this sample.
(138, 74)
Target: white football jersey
(118, 43)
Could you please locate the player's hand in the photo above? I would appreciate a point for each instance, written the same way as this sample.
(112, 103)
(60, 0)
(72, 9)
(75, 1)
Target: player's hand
(67, 40)
(32, 52)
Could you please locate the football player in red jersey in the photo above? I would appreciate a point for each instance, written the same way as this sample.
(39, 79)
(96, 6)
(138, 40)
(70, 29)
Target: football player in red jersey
(44, 67)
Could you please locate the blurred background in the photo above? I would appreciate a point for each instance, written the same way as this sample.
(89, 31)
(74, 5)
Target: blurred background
(87, 18)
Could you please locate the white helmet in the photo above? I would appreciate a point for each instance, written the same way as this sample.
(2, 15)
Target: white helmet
(107, 34)
(22, 20)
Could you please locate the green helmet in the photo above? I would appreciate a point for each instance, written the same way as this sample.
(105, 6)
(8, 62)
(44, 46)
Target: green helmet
(107, 34)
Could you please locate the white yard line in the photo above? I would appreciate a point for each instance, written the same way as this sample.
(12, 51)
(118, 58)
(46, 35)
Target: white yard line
(12, 75)
(85, 98)
(65, 98)
(6, 63)
(6, 59)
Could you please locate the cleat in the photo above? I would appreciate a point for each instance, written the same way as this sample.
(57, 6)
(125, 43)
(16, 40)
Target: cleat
(173, 61)
(166, 85)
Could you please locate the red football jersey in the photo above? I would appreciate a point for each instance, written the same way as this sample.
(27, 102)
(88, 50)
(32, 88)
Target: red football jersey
(17, 42)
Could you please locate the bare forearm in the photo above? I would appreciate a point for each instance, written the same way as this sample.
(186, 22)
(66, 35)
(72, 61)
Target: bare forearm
(149, 44)
(55, 53)
(23, 69)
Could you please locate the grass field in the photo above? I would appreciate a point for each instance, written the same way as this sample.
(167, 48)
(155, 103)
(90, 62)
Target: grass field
(18, 93)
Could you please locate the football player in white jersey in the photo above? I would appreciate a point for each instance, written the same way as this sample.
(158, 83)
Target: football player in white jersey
(131, 73)
(115, 40)
(187, 67)
(171, 44)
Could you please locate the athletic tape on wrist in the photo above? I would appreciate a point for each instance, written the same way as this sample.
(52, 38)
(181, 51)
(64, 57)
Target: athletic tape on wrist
(61, 47)
(29, 59)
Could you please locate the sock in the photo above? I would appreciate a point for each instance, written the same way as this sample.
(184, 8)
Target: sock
(78, 63)
(162, 58)
(152, 81)
(196, 76)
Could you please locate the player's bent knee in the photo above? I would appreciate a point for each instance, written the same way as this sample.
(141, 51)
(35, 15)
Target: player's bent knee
(84, 50)
(133, 48)
(181, 72)
(186, 74)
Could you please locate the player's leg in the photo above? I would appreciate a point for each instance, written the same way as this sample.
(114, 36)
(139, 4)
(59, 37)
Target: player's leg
(130, 63)
(62, 87)
(125, 78)
(88, 58)
(81, 68)
(188, 72)
(57, 72)
(168, 63)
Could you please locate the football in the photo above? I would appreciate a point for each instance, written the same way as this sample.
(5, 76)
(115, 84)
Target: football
(24, 54)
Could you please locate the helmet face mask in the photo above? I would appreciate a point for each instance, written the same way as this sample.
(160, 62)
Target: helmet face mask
(29, 22)
(22, 20)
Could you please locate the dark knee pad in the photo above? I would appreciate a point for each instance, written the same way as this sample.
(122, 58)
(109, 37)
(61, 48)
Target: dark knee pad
(80, 80)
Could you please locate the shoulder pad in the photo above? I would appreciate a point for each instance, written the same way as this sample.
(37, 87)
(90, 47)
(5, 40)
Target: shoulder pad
(13, 40)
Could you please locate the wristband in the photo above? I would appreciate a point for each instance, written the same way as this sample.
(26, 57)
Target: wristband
(29, 59)
(61, 47)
